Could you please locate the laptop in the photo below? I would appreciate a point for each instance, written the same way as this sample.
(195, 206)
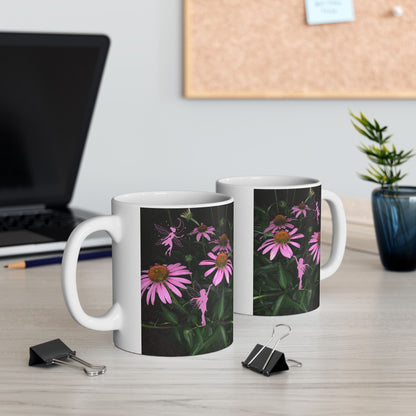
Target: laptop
(48, 88)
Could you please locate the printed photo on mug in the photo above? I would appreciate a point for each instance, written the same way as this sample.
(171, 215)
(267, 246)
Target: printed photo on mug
(186, 280)
(287, 247)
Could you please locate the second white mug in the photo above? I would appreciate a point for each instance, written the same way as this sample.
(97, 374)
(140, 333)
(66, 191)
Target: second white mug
(277, 242)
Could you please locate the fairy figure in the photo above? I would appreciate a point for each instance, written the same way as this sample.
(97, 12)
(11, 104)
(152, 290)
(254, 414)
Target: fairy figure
(200, 300)
(170, 237)
(301, 270)
(317, 212)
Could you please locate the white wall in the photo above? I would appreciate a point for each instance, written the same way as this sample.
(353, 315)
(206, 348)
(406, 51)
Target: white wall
(146, 136)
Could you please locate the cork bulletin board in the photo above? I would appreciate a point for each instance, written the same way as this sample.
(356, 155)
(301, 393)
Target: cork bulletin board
(265, 49)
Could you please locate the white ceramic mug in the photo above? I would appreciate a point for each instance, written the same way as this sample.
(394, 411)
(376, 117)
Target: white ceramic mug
(172, 272)
(277, 242)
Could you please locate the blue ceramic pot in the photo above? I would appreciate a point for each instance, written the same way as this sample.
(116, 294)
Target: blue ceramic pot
(395, 223)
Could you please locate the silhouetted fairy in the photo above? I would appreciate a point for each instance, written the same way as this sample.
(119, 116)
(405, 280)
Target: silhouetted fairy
(170, 237)
(301, 270)
(317, 212)
(200, 300)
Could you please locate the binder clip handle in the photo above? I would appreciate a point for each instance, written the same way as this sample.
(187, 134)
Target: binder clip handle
(275, 345)
(266, 359)
(56, 352)
(295, 362)
(92, 370)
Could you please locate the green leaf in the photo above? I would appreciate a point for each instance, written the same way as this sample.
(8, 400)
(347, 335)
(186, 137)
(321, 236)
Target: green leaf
(223, 334)
(198, 334)
(361, 131)
(303, 297)
(290, 306)
(259, 209)
(193, 319)
(220, 306)
(177, 334)
(205, 347)
(277, 305)
(367, 178)
(282, 276)
(268, 268)
(187, 334)
(266, 283)
(364, 120)
(270, 207)
(196, 348)
(355, 117)
(169, 316)
(387, 159)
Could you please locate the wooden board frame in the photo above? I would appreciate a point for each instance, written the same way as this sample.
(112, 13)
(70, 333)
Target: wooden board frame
(208, 56)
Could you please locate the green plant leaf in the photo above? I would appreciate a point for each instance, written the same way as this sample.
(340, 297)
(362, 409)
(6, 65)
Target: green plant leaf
(199, 335)
(223, 335)
(364, 120)
(387, 159)
(169, 316)
(277, 305)
(219, 312)
(205, 346)
(282, 276)
(303, 297)
(290, 306)
(259, 209)
(268, 268)
(187, 335)
(361, 131)
(177, 334)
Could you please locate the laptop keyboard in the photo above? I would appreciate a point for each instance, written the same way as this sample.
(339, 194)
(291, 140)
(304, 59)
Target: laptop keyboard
(38, 220)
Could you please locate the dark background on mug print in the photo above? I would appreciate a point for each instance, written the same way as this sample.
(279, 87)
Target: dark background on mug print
(275, 282)
(175, 329)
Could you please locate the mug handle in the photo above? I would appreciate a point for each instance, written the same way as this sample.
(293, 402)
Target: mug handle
(112, 319)
(339, 234)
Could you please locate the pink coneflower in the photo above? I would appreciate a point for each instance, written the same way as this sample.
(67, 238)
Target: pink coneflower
(281, 241)
(222, 244)
(203, 231)
(160, 277)
(279, 222)
(315, 248)
(300, 209)
(222, 264)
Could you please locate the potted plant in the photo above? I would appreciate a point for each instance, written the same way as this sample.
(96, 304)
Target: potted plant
(394, 206)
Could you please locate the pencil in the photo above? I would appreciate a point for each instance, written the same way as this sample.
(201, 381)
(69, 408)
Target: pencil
(25, 264)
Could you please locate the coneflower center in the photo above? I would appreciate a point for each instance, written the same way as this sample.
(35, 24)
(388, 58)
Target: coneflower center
(280, 220)
(223, 240)
(202, 228)
(282, 237)
(302, 205)
(319, 238)
(221, 260)
(158, 274)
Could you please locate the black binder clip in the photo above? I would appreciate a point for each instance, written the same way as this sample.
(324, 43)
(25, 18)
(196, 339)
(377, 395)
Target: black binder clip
(56, 352)
(265, 360)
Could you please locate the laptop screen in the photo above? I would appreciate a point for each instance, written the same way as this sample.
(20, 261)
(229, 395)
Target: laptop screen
(48, 88)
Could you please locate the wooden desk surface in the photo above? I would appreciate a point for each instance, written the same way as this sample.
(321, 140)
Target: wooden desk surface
(358, 352)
